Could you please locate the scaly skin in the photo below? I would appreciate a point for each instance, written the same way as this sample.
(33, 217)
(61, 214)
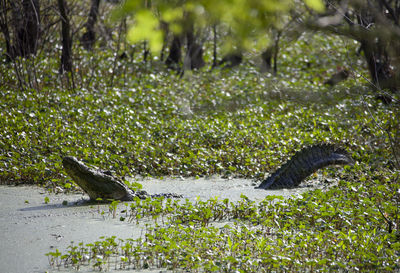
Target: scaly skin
(96, 183)
(102, 184)
(304, 163)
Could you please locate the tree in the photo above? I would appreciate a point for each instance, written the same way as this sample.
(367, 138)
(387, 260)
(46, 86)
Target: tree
(375, 25)
(25, 23)
(28, 29)
(248, 21)
(4, 7)
(193, 58)
(194, 48)
(175, 52)
(89, 37)
(66, 55)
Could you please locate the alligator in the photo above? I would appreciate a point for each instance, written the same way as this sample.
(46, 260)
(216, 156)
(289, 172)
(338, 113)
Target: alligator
(304, 163)
(102, 185)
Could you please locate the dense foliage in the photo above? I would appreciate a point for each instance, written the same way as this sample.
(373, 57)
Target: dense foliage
(241, 16)
(138, 118)
(340, 229)
(152, 122)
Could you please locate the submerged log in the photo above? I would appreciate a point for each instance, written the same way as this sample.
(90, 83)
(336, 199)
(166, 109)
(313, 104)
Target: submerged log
(304, 163)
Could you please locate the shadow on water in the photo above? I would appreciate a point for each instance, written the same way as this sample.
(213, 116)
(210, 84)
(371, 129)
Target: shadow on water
(79, 203)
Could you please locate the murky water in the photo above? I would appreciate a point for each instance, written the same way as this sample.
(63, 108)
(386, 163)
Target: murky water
(30, 228)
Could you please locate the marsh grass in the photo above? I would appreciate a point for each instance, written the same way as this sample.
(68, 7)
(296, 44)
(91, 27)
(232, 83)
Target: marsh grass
(151, 122)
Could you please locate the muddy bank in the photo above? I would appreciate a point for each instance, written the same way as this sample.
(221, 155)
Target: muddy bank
(30, 228)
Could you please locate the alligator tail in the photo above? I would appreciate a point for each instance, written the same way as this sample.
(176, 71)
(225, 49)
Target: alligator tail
(304, 163)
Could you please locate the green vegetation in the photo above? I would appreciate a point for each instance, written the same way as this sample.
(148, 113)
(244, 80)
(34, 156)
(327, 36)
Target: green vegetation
(239, 15)
(151, 122)
(343, 229)
(138, 118)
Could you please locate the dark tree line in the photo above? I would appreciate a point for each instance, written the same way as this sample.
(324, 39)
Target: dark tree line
(25, 23)
(374, 24)
(89, 37)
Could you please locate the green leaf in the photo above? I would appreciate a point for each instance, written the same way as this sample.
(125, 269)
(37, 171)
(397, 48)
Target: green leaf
(146, 28)
(316, 5)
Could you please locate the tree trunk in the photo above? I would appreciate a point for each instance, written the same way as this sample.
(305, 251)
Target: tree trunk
(89, 37)
(231, 60)
(66, 56)
(379, 65)
(4, 7)
(375, 25)
(271, 53)
(175, 52)
(214, 64)
(28, 35)
(194, 54)
(378, 59)
(266, 59)
(26, 23)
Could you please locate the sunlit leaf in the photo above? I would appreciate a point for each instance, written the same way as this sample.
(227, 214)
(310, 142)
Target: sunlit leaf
(317, 5)
(146, 28)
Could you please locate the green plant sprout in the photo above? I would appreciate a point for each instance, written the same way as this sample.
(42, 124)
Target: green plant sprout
(113, 207)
